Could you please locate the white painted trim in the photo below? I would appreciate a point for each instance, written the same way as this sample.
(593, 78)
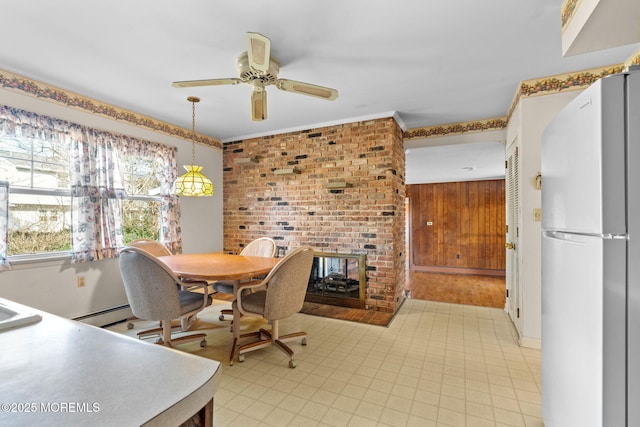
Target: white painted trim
(530, 342)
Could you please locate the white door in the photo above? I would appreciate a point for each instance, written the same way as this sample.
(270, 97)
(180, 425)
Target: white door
(512, 236)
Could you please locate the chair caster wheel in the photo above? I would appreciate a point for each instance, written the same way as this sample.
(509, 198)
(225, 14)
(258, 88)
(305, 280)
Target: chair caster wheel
(129, 325)
(203, 343)
(221, 317)
(304, 341)
(241, 358)
(292, 364)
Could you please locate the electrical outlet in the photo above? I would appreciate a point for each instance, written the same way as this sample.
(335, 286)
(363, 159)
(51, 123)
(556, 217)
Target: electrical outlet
(80, 281)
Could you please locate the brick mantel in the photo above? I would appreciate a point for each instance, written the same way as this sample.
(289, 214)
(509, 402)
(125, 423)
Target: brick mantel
(288, 187)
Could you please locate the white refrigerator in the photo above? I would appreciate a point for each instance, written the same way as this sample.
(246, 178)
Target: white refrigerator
(591, 258)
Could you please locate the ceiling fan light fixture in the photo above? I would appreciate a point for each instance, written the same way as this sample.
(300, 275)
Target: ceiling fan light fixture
(193, 183)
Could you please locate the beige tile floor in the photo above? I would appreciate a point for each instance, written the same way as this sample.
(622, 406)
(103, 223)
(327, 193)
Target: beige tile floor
(437, 364)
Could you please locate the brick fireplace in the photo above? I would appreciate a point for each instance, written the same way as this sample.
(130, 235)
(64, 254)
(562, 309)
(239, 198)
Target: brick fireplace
(337, 189)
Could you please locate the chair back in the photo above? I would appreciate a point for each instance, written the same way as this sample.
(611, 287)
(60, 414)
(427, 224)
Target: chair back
(263, 246)
(287, 284)
(150, 285)
(153, 247)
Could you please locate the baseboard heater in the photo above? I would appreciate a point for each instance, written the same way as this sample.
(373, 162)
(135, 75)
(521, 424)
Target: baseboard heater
(107, 316)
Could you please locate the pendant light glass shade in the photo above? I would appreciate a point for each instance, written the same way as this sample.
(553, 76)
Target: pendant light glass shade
(193, 183)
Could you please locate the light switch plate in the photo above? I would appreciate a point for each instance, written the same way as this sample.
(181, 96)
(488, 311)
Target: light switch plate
(537, 214)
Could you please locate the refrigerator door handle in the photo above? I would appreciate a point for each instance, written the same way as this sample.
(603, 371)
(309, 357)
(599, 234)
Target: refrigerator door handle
(576, 237)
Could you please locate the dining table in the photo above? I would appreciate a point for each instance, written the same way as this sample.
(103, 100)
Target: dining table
(220, 266)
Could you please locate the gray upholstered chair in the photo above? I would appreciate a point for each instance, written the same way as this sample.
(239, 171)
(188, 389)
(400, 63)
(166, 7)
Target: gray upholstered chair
(153, 295)
(157, 249)
(280, 295)
(262, 246)
(154, 247)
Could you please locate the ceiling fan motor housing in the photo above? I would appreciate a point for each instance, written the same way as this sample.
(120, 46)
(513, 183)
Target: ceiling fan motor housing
(247, 74)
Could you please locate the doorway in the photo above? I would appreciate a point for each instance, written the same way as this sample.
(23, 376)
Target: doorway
(455, 238)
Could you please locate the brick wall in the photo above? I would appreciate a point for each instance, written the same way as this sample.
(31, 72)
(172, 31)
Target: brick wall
(366, 217)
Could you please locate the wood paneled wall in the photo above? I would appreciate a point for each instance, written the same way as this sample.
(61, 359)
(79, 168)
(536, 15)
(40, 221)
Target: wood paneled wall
(458, 227)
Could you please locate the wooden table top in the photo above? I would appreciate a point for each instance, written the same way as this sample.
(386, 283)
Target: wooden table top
(218, 266)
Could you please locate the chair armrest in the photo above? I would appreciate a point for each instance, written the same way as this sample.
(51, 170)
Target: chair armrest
(246, 287)
(186, 284)
(193, 282)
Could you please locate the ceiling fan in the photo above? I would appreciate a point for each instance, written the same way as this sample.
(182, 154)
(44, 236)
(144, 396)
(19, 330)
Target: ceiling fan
(259, 69)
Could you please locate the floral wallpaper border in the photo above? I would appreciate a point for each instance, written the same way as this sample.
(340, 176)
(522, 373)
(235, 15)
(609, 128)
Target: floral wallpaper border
(634, 60)
(69, 99)
(561, 82)
(456, 128)
(569, 7)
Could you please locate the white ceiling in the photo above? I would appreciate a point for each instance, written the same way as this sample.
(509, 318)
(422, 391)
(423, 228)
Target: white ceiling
(431, 63)
(451, 163)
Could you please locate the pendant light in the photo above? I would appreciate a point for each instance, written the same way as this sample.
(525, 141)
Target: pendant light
(193, 183)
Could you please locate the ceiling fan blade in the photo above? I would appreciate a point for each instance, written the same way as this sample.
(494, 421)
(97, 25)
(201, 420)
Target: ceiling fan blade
(259, 51)
(307, 89)
(259, 105)
(208, 82)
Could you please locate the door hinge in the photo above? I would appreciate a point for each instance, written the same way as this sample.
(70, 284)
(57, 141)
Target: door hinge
(518, 312)
(506, 164)
(507, 293)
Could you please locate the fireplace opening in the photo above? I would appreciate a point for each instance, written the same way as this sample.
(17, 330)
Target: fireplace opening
(338, 279)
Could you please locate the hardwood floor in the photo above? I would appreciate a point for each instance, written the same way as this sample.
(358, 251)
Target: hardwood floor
(485, 291)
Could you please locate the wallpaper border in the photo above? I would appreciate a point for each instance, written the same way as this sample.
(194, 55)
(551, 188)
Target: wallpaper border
(497, 123)
(70, 99)
(569, 8)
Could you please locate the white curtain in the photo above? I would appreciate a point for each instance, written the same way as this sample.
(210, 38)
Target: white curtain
(4, 224)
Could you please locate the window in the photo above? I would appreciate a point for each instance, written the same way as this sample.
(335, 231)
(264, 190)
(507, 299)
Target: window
(141, 210)
(39, 195)
(56, 171)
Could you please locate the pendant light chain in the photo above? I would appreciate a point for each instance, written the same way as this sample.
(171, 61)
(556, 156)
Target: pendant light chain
(193, 100)
(193, 183)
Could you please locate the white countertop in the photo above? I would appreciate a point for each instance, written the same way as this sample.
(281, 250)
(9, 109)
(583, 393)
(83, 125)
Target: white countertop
(63, 372)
